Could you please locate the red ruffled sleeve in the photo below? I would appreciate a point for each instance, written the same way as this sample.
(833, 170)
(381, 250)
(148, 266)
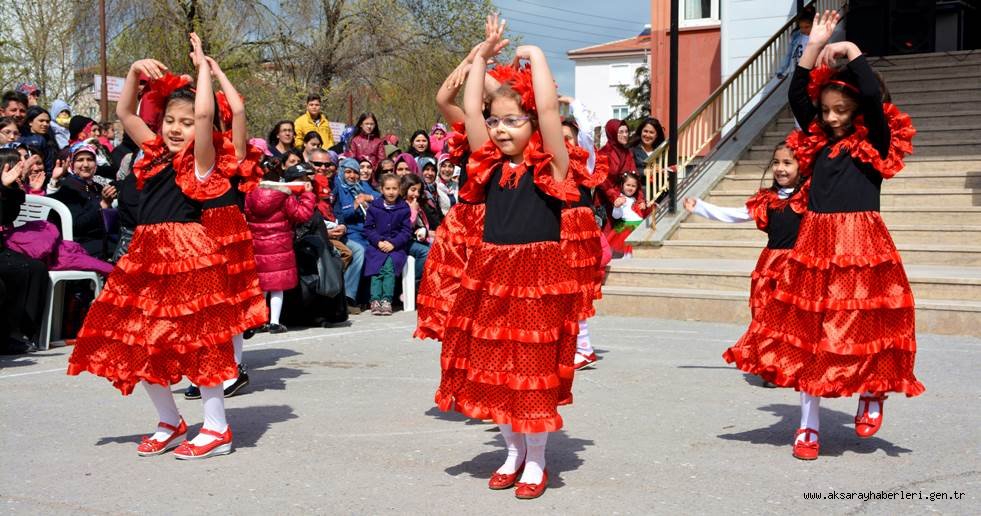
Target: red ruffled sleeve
(249, 169)
(759, 206)
(216, 184)
(901, 132)
(153, 160)
(457, 144)
(580, 172)
(541, 162)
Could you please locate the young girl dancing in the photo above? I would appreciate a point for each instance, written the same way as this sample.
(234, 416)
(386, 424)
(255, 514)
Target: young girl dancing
(389, 231)
(777, 211)
(841, 318)
(511, 329)
(628, 215)
(165, 312)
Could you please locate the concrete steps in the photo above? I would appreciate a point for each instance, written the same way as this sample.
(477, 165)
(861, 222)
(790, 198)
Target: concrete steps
(951, 317)
(926, 254)
(932, 209)
(928, 282)
(901, 233)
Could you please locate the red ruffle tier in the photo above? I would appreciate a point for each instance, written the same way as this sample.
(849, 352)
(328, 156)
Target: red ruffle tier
(583, 252)
(226, 226)
(841, 319)
(510, 336)
(763, 281)
(163, 313)
(460, 231)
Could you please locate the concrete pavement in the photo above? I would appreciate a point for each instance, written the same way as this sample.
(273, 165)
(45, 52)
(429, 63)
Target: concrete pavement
(341, 421)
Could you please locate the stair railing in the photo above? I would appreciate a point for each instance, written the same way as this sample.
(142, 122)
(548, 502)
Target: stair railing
(723, 107)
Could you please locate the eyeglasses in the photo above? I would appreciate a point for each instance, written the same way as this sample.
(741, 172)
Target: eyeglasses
(11, 133)
(508, 121)
(320, 163)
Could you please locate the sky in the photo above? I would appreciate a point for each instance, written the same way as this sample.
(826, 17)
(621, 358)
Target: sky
(560, 26)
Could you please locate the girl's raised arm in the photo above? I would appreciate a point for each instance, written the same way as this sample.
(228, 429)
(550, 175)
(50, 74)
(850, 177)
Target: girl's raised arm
(134, 126)
(446, 96)
(547, 104)
(204, 112)
(240, 130)
(473, 93)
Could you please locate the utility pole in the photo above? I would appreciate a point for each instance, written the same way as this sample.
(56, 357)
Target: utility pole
(103, 65)
(673, 112)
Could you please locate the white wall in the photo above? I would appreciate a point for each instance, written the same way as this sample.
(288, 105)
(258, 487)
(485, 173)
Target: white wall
(593, 87)
(746, 25)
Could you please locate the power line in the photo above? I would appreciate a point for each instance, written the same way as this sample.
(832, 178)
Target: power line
(553, 8)
(574, 31)
(576, 22)
(590, 43)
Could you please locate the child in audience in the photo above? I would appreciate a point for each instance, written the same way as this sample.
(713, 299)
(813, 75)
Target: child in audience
(388, 229)
(627, 216)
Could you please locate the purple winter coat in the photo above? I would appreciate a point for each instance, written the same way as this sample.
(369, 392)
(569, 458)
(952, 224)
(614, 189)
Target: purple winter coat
(382, 224)
(271, 215)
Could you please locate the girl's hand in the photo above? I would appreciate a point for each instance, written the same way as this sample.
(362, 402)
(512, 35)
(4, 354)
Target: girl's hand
(494, 38)
(197, 53)
(526, 52)
(10, 174)
(832, 52)
(824, 25)
(690, 204)
(150, 67)
(641, 205)
(215, 69)
(36, 180)
(619, 201)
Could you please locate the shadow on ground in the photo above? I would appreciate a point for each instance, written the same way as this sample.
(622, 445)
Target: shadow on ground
(837, 433)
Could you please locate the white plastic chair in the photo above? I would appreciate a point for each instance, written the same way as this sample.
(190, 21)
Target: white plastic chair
(409, 285)
(37, 207)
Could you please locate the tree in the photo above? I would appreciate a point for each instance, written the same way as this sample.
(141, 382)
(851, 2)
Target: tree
(638, 96)
(37, 46)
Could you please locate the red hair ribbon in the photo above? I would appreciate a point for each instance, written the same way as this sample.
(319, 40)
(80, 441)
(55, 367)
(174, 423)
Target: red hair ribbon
(155, 98)
(518, 79)
(823, 76)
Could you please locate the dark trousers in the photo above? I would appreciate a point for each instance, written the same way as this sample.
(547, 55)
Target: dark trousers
(25, 282)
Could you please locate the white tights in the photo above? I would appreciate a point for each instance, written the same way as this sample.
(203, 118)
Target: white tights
(583, 345)
(524, 448)
(213, 399)
(237, 344)
(809, 417)
(275, 306)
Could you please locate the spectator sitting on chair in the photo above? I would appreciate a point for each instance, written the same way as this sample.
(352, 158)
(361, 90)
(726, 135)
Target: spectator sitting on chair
(86, 200)
(352, 196)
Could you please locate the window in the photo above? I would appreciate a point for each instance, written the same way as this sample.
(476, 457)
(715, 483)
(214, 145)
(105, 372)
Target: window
(620, 74)
(697, 13)
(621, 112)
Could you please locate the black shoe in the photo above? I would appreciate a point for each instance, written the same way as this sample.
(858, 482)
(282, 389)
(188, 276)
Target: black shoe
(18, 347)
(769, 385)
(262, 329)
(192, 392)
(240, 383)
(248, 334)
(277, 328)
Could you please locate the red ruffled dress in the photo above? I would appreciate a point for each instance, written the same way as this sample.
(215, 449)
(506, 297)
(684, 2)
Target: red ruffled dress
(780, 220)
(511, 333)
(224, 222)
(580, 242)
(841, 319)
(164, 312)
(459, 233)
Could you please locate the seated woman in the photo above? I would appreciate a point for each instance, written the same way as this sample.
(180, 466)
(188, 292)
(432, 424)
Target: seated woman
(352, 196)
(87, 199)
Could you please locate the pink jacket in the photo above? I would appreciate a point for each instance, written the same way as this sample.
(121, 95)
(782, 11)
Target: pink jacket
(271, 215)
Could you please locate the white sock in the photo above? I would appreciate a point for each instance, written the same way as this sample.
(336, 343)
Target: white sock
(535, 459)
(275, 306)
(515, 444)
(809, 416)
(237, 343)
(163, 401)
(583, 345)
(874, 406)
(213, 399)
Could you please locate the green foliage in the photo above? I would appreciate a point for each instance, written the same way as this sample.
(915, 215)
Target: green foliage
(638, 96)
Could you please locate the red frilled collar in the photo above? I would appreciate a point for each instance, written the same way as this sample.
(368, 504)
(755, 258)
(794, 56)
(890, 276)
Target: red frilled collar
(484, 160)
(156, 158)
(760, 204)
(901, 131)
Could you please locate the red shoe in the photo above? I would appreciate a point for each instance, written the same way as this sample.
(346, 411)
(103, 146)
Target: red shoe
(503, 480)
(220, 446)
(530, 491)
(805, 449)
(865, 426)
(149, 447)
(587, 361)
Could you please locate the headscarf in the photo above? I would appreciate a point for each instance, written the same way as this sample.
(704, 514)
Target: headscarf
(436, 143)
(618, 156)
(353, 189)
(409, 160)
(78, 150)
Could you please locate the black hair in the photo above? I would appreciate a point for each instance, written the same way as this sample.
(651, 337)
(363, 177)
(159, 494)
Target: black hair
(293, 152)
(774, 186)
(412, 149)
(364, 116)
(571, 123)
(6, 120)
(314, 96)
(187, 94)
(311, 135)
(273, 138)
(806, 14)
(13, 96)
(407, 181)
(635, 177)
(9, 157)
(658, 128)
(34, 112)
